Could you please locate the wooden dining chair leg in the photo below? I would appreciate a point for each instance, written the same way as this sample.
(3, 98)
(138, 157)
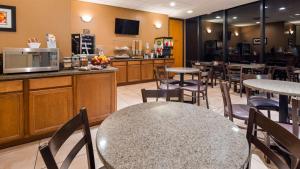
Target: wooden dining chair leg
(198, 98)
(207, 105)
(269, 114)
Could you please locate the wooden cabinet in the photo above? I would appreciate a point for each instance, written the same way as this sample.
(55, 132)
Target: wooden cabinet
(97, 93)
(134, 71)
(159, 63)
(49, 109)
(122, 73)
(147, 70)
(169, 62)
(11, 117)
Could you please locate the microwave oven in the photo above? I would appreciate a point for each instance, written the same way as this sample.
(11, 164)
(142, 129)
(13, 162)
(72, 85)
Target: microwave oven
(23, 60)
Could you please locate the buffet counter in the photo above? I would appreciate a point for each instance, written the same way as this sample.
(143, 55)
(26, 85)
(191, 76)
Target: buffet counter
(34, 105)
(138, 70)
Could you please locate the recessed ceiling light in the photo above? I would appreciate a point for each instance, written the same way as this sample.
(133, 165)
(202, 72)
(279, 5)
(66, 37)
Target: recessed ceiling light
(235, 17)
(172, 4)
(297, 14)
(266, 7)
(218, 17)
(282, 8)
(257, 22)
(189, 11)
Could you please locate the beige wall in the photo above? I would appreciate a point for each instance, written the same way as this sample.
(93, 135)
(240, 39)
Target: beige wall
(103, 24)
(35, 18)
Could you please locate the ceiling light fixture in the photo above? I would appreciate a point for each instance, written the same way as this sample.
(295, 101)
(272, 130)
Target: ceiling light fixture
(172, 4)
(235, 17)
(218, 17)
(236, 33)
(282, 8)
(257, 22)
(297, 14)
(266, 7)
(189, 11)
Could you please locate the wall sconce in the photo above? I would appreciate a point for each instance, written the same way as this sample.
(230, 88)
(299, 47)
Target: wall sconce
(157, 25)
(236, 33)
(291, 31)
(86, 18)
(208, 30)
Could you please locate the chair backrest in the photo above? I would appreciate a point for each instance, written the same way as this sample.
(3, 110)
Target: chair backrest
(160, 74)
(253, 76)
(233, 70)
(295, 116)
(226, 100)
(168, 94)
(50, 149)
(289, 141)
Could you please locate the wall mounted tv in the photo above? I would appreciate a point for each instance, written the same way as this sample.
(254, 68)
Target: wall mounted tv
(127, 27)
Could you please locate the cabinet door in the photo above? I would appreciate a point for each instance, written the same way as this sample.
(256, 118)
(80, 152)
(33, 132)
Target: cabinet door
(11, 117)
(121, 74)
(147, 71)
(134, 73)
(49, 109)
(96, 92)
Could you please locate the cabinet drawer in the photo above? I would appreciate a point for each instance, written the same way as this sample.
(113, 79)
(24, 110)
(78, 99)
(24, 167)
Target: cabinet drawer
(134, 62)
(169, 61)
(50, 82)
(159, 61)
(119, 63)
(11, 86)
(144, 62)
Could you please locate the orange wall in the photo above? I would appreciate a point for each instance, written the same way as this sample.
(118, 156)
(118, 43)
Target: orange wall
(35, 18)
(103, 24)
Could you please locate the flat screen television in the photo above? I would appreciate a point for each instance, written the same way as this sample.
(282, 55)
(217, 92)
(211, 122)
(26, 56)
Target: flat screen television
(127, 27)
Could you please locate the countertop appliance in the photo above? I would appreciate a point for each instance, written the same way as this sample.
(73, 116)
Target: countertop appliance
(22, 60)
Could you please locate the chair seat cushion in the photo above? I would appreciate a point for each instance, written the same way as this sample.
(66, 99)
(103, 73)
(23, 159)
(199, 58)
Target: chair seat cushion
(170, 86)
(194, 88)
(263, 103)
(240, 111)
(170, 81)
(191, 82)
(289, 127)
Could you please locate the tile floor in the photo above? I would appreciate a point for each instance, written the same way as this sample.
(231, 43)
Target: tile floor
(27, 156)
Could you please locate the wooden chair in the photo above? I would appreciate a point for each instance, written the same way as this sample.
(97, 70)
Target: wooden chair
(294, 126)
(199, 89)
(238, 111)
(234, 76)
(50, 149)
(168, 94)
(162, 80)
(278, 133)
(260, 102)
(218, 71)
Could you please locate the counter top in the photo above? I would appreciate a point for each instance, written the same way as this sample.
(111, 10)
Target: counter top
(138, 59)
(53, 74)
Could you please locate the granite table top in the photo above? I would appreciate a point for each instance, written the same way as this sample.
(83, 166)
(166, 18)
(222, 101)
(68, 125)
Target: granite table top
(274, 86)
(182, 70)
(168, 135)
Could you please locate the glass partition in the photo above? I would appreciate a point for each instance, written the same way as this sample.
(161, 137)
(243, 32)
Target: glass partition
(212, 36)
(282, 32)
(243, 31)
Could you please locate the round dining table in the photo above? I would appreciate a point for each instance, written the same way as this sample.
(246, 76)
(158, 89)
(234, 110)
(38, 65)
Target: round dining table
(170, 135)
(283, 88)
(182, 71)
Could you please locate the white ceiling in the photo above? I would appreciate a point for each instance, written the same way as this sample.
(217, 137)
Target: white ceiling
(199, 7)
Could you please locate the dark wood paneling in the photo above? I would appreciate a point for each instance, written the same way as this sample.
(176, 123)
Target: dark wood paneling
(192, 40)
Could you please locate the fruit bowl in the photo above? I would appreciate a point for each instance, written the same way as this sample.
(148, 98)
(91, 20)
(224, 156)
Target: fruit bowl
(100, 60)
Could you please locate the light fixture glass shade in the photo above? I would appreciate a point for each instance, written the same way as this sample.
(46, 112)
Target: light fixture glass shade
(86, 18)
